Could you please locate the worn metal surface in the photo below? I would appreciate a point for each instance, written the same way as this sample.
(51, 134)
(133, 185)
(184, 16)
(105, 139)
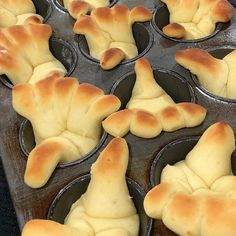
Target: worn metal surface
(30, 203)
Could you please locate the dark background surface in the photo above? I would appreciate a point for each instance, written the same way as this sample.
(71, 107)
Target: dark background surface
(8, 222)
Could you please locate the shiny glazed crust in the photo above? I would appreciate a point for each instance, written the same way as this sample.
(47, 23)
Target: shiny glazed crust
(194, 19)
(66, 117)
(108, 32)
(215, 75)
(88, 216)
(25, 56)
(151, 110)
(196, 196)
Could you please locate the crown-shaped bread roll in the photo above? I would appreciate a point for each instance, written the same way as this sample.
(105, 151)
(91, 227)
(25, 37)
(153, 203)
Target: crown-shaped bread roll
(105, 209)
(151, 110)
(194, 19)
(77, 7)
(18, 12)
(108, 32)
(197, 196)
(25, 56)
(218, 76)
(66, 118)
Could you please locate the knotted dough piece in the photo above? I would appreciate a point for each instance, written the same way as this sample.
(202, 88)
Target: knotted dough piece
(151, 110)
(194, 19)
(25, 56)
(105, 209)
(197, 196)
(108, 32)
(18, 12)
(77, 7)
(218, 76)
(66, 118)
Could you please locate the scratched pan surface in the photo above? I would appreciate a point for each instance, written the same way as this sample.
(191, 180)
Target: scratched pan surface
(159, 50)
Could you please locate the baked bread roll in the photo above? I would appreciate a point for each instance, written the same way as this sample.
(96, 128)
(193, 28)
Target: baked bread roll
(105, 209)
(25, 56)
(215, 75)
(151, 110)
(18, 12)
(77, 7)
(66, 118)
(194, 19)
(197, 196)
(108, 32)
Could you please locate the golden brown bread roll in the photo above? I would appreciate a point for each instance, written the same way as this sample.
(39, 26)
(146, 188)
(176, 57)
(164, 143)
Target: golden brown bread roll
(151, 110)
(105, 209)
(215, 75)
(66, 118)
(194, 19)
(108, 32)
(18, 12)
(197, 196)
(77, 7)
(25, 56)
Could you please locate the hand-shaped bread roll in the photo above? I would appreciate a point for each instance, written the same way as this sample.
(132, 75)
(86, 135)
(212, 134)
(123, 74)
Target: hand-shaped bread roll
(151, 110)
(77, 7)
(108, 32)
(105, 209)
(18, 12)
(218, 76)
(197, 196)
(24, 53)
(193, 19)
(66, 119)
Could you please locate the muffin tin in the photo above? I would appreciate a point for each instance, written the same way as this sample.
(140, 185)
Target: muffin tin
(177, 81)
(61, 50)
(219, 53)
(73, 191)
(161, 19)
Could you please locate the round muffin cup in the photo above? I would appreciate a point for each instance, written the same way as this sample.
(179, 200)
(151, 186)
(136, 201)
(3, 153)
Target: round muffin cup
(62, 203)
(174, 152)
(170, 154)
(174, 85)
(43, 8)
(60, 4)
(27, 143)
(63, 52)
(142, 36)
(161, 19)
(220, 53)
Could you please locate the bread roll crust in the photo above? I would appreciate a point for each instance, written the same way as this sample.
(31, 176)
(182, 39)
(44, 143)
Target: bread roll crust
(106, 208)
(151, 110)
(66, 118)
(25, 56)
(195, 19)
(215, 75)
(18, 12)
(203, 209)
(108, 32)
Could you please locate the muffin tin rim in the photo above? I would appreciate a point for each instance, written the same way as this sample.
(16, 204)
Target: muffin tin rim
(204, 90)
(84, 177)
(49, 11)
(162, 70)
(7, 83)
(90, 154)
(218, 28)
(124, 62)
(168, 146)
(195, 89)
